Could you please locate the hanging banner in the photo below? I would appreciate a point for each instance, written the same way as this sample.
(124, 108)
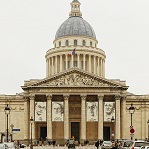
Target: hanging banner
(57, 111)
(40, 111)
(109, 111)
(92, 111)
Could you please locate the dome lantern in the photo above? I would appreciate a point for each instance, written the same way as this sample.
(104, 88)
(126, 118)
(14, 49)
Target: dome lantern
(75, 9)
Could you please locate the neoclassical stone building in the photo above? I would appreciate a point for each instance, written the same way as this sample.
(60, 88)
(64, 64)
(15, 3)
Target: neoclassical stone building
(75, 98)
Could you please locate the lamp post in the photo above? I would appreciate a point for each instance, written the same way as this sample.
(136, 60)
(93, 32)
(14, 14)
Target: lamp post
(31, 121)
(112, 133)
(131, 111)
(148, 129)
(7, 112)
(12, 131)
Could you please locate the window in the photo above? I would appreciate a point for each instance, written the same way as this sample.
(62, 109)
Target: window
(75, 42)
(59, 44)
(83, 43)
(91, 44)
(68, 64)
(75, 64)
(81, 64)
(95, 45)
(67, 43)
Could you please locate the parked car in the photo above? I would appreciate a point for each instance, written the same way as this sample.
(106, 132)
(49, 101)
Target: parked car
(144, 147)
(2, 146)
(22, 145)
(11, 145)
(135, 144)
(106, 145)
(127, 144)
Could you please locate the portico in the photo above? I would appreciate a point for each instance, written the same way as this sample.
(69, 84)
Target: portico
(77, 100)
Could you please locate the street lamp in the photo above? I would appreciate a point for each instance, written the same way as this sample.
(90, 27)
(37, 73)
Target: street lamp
(112, 133)
(31, 121)
(12, 131)
(7, 112)
(131, 111)
(148, 129)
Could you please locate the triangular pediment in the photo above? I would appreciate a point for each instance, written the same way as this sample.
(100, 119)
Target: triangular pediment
(75, 78)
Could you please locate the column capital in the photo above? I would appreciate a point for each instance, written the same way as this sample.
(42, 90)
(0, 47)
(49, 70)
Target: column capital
(123, 97)
(25, 98)
(83, 96)
(31, 97)
(117, 96)
(66, 96)
(49, 96)
(100, 96)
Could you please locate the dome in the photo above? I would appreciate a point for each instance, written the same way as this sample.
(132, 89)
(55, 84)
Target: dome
(75, 26)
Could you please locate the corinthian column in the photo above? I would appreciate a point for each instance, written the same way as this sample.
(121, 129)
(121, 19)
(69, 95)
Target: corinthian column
(117, 121)
(100, 116)
(84, 62)
(61, 63)
(55, 64)
(95, 67)
(101, 67)
(72, 56)
(52, 67)
(49, 117)
(66, 117)
(78, 60)
(83, 117)
(98, 70)
(123, 135)
(47, 67)
(26, 118)
(32, 113)
(66, 61)
(89, 63)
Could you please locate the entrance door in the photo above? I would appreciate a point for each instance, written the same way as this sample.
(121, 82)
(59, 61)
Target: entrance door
(106, 133)
(43, 133)
(75, 130)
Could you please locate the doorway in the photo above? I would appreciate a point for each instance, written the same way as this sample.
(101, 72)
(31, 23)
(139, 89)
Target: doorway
(75, 130)
(106, 133)
(43, 133)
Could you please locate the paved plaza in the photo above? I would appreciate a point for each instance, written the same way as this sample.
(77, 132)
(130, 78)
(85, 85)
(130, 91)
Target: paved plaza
(62, 147)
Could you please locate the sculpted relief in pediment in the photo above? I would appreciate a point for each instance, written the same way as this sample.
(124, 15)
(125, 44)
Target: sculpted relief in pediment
(75, 80)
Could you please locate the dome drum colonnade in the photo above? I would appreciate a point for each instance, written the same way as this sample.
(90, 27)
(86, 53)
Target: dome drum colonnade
(93, 62)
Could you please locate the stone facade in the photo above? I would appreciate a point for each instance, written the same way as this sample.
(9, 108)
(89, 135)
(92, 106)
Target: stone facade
(75, 88)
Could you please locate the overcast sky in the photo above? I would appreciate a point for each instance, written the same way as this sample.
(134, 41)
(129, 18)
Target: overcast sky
(28, 28)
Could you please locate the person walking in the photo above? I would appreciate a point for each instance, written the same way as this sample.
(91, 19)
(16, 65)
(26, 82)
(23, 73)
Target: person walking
(97, 144)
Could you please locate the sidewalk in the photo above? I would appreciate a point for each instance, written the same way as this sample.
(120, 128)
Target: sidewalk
(62, 147)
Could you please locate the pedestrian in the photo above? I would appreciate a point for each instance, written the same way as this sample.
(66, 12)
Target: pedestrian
(101, 142)
(97, 144)
(113, 145)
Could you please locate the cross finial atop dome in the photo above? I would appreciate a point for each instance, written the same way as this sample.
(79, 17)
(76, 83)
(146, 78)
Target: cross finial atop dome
(75, 9)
